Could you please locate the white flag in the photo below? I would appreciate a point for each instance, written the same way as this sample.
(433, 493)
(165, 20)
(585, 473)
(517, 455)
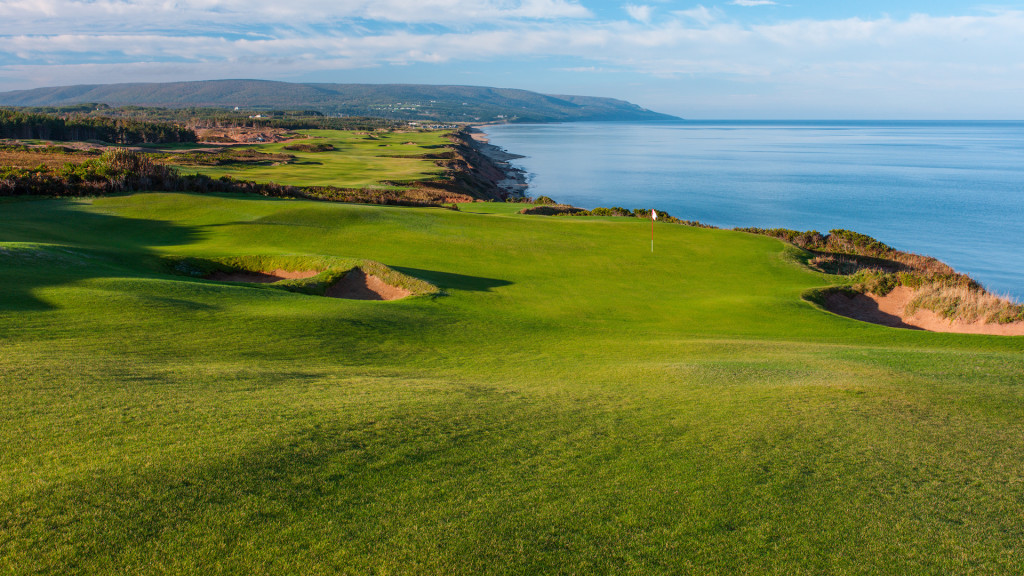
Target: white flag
(654, 215)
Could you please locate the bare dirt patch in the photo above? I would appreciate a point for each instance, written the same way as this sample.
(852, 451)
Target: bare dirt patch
(243, 135)
(358, 285)
(261, 277)
(890, 310)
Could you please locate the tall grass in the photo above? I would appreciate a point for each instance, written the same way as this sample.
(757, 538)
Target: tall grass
(874, 267)
(965, 304)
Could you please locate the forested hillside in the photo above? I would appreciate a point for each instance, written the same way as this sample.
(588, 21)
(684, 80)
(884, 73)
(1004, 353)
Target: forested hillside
(409, 102)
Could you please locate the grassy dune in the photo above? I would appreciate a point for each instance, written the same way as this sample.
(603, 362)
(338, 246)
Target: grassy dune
(572, 404)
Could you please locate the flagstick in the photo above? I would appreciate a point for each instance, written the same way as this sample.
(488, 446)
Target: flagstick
(653, 217)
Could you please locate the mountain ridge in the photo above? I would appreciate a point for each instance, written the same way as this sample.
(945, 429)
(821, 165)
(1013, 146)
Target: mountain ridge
(427, 102)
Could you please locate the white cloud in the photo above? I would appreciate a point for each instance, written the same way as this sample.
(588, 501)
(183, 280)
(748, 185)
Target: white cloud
(582, 69)
(700, 15)
(550, 9)
(32, 16)
(641, 13)
(753, 3)
(721, 45)
(697, 31)
(47, 42)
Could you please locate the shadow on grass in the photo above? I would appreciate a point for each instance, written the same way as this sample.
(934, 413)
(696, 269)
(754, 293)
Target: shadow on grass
(454, 281)
(846, 303)
(53, 242)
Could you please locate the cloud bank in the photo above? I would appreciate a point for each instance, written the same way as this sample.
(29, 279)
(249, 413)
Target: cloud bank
(48, 42)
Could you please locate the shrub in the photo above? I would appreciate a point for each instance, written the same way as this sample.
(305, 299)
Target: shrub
(855, 243)
(615, 211)
(554, 210)
(316, 147)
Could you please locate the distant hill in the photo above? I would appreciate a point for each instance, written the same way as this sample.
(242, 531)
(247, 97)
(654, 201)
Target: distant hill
(396, 101)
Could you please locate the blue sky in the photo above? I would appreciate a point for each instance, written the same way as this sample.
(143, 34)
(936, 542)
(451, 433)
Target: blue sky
(725, 59)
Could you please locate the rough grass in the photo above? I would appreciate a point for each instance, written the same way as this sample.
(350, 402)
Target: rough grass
(32, 159)
(574, 404)
(965, 304)
(873, 267)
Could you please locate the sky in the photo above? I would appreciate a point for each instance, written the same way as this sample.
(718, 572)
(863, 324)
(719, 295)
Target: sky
(728, 59)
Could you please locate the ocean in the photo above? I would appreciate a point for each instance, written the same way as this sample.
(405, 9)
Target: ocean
(952, 190)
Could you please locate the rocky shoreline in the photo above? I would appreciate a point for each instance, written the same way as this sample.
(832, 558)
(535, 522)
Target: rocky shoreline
(511, 181)
(935, 297)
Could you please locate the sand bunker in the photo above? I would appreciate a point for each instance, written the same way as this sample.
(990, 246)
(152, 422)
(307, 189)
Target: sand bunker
(355, 285)
(358, 285)
(261, 277)
(890, 310)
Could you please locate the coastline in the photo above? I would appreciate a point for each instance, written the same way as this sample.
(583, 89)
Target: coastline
(903, 308)
(812, 175)
(510, 181)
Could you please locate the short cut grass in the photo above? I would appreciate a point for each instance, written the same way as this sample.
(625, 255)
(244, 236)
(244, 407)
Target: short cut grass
(572, 403)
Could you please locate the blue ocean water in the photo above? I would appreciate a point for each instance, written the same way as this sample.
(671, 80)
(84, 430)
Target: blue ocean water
(952, 190)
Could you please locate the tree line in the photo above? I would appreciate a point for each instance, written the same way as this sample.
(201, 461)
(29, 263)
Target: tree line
(211, 117)
(123, 170)
(74, 128)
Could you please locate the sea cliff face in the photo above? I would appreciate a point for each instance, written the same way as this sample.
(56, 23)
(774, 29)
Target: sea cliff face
(485, 168)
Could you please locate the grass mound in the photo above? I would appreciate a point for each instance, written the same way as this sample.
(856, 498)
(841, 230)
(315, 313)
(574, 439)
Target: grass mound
(315, 147)
(318, 276)
(356, 284)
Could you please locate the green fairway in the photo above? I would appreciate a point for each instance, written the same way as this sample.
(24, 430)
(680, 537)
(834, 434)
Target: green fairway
(571, 403)
(359, 160)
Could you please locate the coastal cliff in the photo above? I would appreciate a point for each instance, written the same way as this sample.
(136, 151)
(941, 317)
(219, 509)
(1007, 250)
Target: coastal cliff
(482, 170)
